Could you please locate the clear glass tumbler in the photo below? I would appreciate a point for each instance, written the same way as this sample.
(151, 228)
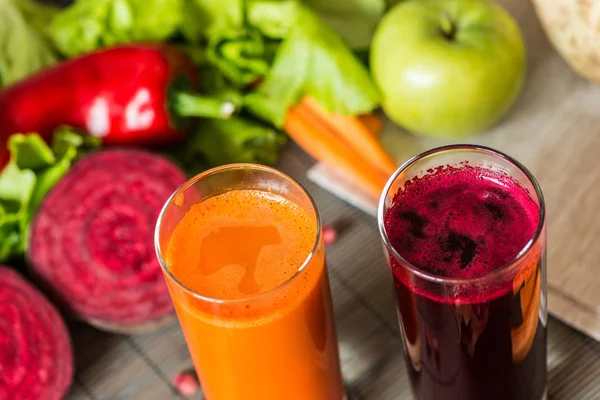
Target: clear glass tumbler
(272, 344)
(472, 332)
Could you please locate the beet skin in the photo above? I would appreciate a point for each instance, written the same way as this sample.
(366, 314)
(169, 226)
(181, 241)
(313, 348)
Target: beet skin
(36, 359)
(91, 242)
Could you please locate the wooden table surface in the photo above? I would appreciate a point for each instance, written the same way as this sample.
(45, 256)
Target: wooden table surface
(554, 129)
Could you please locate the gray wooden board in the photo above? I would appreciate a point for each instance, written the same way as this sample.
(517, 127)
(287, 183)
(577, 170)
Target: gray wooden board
(553, 128)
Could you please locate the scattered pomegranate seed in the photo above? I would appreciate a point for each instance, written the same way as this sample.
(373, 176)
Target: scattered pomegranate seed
(186, 383)
(330, 235)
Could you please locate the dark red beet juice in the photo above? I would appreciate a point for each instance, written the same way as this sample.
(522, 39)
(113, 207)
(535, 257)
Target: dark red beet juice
(468, 300)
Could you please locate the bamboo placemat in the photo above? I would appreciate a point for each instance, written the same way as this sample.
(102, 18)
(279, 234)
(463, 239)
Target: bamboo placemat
(112, 367)
(554, 129)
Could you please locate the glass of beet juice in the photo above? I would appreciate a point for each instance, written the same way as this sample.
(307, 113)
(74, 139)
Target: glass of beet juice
(464, 234)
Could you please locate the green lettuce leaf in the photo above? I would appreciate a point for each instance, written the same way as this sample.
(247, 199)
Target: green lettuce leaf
(239, 54)
(23, 48)
(216, 142)
(67, 147)
(314, 60)
(273, 18)
(16, 188)
(32, 172)
(38, 14)
(30, 153)
(235, 140)
(12, 242)
(87, 25)
(202, 18)
(354, 20)
(205, 18)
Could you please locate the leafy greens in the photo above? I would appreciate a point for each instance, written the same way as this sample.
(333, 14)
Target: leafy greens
(283, 43)
(87, 25)
(354, 20)
(23, 48)
(33, 170)
(223, 141)
(239, 54)
(313, 60)
(234, 140)
(271, 53)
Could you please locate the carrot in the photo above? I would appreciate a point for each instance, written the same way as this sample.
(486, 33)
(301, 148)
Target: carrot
(357, 136)
(372, 122)
(319, 140)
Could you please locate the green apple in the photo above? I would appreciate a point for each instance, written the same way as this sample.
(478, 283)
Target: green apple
(447, 68)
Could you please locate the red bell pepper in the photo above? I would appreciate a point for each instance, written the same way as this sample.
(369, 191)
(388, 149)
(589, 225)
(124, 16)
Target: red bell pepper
(134, 94)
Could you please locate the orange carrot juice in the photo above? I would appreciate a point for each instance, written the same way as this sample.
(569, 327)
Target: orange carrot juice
(246, 270)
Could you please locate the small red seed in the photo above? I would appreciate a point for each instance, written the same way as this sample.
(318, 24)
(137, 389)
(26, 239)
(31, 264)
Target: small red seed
(186, 383)
(329, 235)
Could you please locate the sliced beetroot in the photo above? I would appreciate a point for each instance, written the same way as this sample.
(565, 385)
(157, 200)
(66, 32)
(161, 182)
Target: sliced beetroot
(36, 359)
(92, 245)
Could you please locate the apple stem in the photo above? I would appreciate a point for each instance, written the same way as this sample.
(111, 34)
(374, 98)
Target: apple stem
(448, 28)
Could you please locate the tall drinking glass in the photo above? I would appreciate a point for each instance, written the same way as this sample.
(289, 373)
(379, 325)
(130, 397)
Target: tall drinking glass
(242, 253)
(464, 233)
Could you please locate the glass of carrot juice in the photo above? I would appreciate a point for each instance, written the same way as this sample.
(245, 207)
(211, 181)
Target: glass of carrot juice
(242, 253)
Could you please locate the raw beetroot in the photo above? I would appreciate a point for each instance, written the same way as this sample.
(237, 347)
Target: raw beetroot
(186, 383)
(36, 359)
(91, 241)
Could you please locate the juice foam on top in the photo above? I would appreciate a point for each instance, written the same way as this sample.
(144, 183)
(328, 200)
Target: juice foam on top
(461, 222)
(240, 243)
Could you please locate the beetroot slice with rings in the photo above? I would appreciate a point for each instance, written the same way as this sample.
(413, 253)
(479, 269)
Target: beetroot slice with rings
(36, 359)
(91, 241)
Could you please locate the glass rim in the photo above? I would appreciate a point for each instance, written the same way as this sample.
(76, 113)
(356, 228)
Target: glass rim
(502, 269)
(220, 169)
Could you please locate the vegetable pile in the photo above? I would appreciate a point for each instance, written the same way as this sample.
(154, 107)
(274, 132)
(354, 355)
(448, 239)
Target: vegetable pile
(123, 95)
(208, 83)
(90, 93)
(36, 360)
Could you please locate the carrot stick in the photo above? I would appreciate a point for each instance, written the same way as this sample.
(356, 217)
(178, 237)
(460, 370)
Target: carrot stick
(357, 136)
(318, 140)
(372, 122)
